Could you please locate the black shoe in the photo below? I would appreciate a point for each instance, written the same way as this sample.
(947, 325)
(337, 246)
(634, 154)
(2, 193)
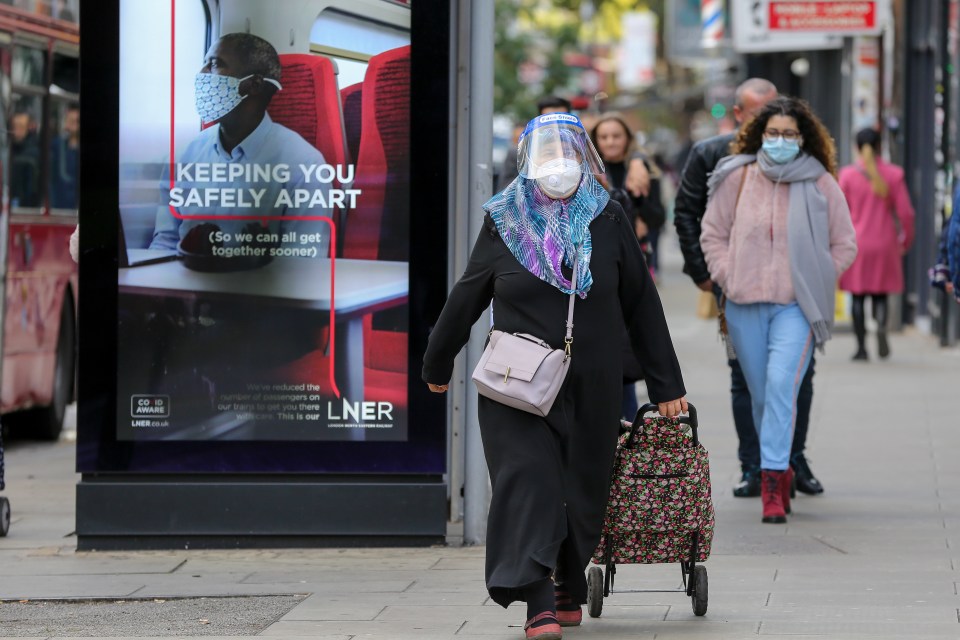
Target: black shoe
(861, 354)
(749, 485)
(806, 483)
(883, 347)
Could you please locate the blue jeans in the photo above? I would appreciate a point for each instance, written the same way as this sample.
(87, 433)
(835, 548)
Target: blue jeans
(774, 347)
(748, 449)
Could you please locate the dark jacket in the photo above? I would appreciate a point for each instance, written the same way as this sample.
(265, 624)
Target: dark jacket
(691, 201)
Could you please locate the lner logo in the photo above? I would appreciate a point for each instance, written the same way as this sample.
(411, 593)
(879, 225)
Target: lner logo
(149, 405)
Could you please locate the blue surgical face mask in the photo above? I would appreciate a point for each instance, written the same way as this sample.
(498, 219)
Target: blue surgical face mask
(781, 151)
(217, 95)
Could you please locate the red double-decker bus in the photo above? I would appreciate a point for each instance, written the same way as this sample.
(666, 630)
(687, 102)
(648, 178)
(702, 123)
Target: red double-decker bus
(39, 152)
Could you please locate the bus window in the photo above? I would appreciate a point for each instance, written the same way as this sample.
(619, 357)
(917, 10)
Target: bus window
(27, 68)
(68, 10)
(64, 157)
(65, 76)
(63, 173)
(25, 123)
(25, 154)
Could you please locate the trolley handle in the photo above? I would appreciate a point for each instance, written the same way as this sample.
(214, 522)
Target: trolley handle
(689, 419)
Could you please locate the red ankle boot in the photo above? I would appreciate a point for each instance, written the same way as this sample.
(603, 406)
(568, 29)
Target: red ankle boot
(772, 497)
(786, 481)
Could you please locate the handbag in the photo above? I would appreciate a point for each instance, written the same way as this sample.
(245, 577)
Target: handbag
(707, 306)
(521, 370)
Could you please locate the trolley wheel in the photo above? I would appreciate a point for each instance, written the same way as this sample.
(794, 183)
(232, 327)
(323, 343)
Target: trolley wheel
(595, 592)
(699, 597)
(4, 516)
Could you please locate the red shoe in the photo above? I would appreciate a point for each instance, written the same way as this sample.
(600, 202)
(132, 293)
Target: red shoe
(570, 618)
(545, 631)
(566, 615)
(770, 494)
(786, 481)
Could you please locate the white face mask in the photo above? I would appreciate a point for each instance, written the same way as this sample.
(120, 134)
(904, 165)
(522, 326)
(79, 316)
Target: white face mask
(559, 178)
(217, 95)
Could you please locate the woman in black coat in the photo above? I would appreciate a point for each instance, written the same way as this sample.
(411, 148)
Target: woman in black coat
(550, 475)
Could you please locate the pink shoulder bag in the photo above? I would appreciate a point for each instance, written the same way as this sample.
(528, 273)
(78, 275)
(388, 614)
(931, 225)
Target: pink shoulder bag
(521, 370)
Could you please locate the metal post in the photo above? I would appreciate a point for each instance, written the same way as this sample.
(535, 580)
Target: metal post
(457, 250)
(844, 132)
(919, 157)
(477, 21)
(947, 326)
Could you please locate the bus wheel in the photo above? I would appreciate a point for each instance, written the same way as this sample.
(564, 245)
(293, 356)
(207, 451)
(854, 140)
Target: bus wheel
(48, 421)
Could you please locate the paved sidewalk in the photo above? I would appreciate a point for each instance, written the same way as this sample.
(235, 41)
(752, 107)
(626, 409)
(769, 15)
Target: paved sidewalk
(875, 556)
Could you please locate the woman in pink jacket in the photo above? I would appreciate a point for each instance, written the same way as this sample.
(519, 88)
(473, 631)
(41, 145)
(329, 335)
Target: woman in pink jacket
(776, 235)
(883, 217)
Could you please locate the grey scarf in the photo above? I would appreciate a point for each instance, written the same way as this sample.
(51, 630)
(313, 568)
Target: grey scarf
(808, 233)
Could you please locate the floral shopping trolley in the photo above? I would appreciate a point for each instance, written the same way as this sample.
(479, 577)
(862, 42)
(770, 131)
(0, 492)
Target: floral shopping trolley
(660, 509)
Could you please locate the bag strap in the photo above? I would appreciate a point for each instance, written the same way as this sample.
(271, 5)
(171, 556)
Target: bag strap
(568, 339)
(722, 304)
(743, 178)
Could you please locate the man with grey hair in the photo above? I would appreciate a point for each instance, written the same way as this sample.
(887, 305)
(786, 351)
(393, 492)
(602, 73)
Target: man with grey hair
(691, 204)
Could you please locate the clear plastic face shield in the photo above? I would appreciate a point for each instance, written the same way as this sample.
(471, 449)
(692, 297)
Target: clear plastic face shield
(556, 151)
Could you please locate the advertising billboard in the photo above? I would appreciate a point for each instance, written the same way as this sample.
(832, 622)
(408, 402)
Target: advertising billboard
(251, 303)
(264, 207)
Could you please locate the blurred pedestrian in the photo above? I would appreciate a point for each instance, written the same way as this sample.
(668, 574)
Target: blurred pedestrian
(550, 474)
(615, 142)
(883, 217)
(945, 275)
(776, 235)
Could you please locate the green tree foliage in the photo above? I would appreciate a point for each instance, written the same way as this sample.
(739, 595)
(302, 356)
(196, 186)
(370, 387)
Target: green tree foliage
(535, 34)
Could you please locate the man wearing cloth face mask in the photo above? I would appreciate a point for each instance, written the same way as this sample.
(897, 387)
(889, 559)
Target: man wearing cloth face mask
(240, 75)
(550, 474)
(776, 236)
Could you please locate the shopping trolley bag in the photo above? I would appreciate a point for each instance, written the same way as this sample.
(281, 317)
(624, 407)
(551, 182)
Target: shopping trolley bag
(660, 508)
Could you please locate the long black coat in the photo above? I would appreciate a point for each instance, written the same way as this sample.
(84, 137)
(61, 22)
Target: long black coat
(550, 476)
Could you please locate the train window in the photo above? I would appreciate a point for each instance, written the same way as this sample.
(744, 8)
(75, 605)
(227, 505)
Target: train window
(351, 41)
(27, 68)
(24, 176)
(64, 157)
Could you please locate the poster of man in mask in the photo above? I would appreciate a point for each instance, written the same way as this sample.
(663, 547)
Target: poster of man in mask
(264, 216)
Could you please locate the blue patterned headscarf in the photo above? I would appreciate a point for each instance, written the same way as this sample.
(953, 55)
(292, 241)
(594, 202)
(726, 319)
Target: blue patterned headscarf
(543, 234)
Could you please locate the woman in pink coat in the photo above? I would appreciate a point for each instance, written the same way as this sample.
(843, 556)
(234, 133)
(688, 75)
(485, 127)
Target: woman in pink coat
(883, 218)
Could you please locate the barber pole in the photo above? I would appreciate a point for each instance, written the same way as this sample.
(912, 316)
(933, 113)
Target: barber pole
(712, 19)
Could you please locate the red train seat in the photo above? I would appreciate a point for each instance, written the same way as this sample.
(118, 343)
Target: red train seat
(310, 103)
(350, 101)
